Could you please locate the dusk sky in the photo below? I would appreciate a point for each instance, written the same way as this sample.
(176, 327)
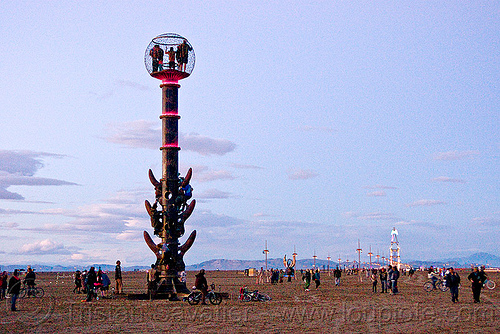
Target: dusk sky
(307, 124)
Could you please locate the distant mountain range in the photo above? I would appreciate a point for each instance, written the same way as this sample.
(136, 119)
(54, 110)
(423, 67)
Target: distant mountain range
(486, 259)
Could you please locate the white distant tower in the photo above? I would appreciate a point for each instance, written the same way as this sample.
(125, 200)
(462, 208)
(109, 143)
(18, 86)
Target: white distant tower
(394, 257)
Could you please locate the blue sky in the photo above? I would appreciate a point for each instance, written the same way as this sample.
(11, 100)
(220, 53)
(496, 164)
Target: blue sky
(307, 125)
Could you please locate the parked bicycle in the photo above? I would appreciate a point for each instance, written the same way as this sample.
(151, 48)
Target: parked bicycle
(439, 285)
(489, 284)
(31, 291)
(255, 295)
(195, 296)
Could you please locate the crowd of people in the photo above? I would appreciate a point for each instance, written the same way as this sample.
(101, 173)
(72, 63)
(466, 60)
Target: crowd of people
(96, 284)
(388, 276)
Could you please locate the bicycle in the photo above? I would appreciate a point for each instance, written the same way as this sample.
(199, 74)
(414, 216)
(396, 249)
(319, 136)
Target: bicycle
(195, 297)
(439, 285)
(489, 284)
(255, 296)
(31, 291)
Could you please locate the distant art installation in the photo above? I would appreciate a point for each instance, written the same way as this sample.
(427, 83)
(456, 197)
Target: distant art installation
(170, 58)
(290, 265)
(394, 255)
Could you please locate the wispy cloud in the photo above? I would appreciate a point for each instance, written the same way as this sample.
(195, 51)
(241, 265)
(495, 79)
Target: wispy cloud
(455, 155)
(146, 134)
(132, 84)
(317, 129)
(136, 134)
(242, 166)
(381, 216)
(447, 179)
(204, 174)
(214, 194)
(23, 162)
(377, 194)
(425, 202)
(379, 186)
(101, 96)
(378, 216)
(205, 145)
(301, 174)
(18, 167)
(46, 246)
(487, 221)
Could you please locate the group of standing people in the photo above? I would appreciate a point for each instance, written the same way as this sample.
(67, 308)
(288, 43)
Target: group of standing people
(181, 55)
(311, 274)
(388, 279)
(91, 282)
(477, 278)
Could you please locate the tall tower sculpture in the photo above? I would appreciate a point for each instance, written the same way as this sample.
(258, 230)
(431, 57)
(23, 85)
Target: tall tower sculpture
(172, 192)
(394, 257)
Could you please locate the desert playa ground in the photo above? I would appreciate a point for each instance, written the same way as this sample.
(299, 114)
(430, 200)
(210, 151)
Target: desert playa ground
(350, 308)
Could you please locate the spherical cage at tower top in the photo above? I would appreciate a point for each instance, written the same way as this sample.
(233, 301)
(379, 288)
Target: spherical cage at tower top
(169, 54)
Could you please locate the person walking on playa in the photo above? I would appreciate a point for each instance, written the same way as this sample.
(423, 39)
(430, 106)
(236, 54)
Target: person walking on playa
(477, 283)
(307, 280)
(394, 280)
(317, 278)
(337, 273)
(389, 277)
(202, 285)
(3, 286)
(374, 280)
(383, 280)
(118, 277)
(14, 289)
(453, 282)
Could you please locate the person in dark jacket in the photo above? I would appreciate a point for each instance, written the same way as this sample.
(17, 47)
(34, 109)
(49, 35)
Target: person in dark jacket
(389, 277)
(3, 286)
(29, 280)
(78, 282)
(118, 277)
(337, 273)
(14, 289)
(316, 278)
(394, 280)
(453, 282)
(91, 279)
(307, 280)
(202, 285)
(156, 54)
(477, 283)
(383, 280)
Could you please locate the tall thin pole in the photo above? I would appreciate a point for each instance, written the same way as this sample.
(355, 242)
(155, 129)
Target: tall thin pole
(359, 261)
(265, 252)
(370, 255)
(328, 266)
(359, 253)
